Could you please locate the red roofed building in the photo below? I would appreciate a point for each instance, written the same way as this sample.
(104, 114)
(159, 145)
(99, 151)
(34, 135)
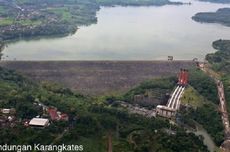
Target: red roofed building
(53, 114)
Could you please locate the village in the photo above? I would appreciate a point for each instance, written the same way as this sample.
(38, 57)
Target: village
(8, 117)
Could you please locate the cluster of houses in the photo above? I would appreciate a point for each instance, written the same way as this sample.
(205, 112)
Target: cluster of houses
(50, 113)
(54, 115)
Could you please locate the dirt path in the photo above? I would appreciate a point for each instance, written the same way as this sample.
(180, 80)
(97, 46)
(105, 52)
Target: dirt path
(110, 143)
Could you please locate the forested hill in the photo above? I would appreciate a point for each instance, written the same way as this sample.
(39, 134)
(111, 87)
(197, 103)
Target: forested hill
(221, 16)
(220, 59)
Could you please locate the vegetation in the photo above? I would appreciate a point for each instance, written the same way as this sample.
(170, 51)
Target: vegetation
(154, 91)
(192, 98)
(2, 45)
(22, 19)
(220, 62)
(204, 85)
(220, 16)
(208, 116)
(203, 100)
(89, 122)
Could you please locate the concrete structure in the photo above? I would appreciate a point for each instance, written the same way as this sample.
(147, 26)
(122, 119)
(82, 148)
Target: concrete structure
(39, 122)
(165, 111)
(170, 58)
(173, 104)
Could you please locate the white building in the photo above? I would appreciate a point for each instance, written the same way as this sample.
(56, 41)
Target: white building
(5, 111)
(39, 122)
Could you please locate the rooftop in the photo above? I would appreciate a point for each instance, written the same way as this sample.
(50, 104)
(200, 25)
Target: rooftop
(39, 122)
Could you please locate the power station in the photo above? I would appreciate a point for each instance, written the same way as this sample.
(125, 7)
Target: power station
(174, 101)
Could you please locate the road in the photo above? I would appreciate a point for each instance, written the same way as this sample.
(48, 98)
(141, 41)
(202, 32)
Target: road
(225, 147)
(223, 109)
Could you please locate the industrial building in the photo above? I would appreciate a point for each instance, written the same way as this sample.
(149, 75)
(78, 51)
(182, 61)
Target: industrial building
(173, 104)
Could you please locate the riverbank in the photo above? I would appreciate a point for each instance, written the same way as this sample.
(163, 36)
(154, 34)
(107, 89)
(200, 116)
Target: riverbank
(97, 77)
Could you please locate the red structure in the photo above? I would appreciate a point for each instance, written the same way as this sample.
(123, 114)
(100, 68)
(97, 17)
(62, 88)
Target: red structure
(64, 117)
(53, 114)
(56, 115)
(183, 77)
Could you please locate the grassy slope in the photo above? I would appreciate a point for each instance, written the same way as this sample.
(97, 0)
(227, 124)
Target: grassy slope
(192, 98)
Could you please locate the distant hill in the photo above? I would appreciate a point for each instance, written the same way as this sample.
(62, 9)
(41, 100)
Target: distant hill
(217, 1)
(220, 59)
(221, 16)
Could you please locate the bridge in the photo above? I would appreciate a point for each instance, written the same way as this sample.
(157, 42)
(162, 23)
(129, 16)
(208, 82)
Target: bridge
(173, 104)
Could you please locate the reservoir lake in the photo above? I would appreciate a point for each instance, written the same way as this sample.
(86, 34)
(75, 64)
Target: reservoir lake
(130, 33)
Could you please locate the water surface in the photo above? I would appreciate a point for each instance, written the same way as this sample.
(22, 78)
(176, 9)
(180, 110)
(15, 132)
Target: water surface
(131, 33)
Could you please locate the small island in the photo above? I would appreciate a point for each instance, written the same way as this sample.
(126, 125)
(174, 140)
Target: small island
(221, 16)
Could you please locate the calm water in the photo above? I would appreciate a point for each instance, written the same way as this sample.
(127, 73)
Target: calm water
(131, 33)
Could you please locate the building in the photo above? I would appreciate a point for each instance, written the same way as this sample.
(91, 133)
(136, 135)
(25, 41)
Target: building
(39, 122)
(64, 117)
(5, 111)
(164, 111)
(8, 111)
(53, 114)
(57, 115)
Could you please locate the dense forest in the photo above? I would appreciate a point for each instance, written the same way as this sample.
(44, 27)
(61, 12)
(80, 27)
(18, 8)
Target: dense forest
(220, 59)
(220, 16)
